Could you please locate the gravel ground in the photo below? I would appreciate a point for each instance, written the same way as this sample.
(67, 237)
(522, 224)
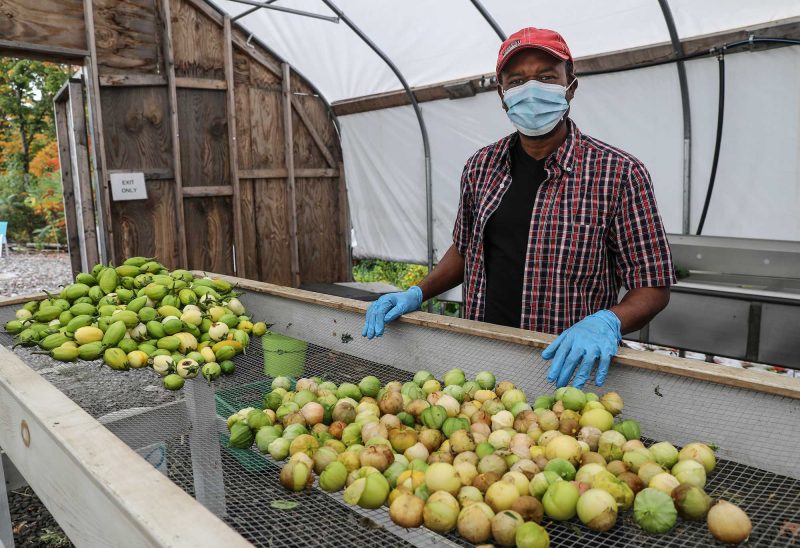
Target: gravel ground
(24, 273)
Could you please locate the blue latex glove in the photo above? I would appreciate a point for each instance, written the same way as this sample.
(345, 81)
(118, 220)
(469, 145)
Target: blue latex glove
(595, 337)
(388, 308)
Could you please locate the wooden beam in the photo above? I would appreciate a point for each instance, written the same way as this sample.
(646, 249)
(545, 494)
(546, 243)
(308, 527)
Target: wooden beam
(25, 49)
(205, 7)
(233, 149)
(199, 191)
(67, 182)
(97, 488)
(323, 148)
(200, 83)
(169, 61)
(280, 173)
(344, 228)
(99, 158)
(150, 173)
(770, 383)
(132, 80)
(87, 231)
(288, 136)
(241, 43)
(788, 28)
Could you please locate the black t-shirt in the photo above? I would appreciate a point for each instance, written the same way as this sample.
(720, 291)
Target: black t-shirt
(506, 239)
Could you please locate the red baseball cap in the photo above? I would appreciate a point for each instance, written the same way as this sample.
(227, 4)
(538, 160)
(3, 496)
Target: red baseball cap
(530, 37)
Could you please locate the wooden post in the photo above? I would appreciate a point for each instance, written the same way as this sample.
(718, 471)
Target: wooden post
(344, 228)
(62, 134)
(169, 61)
(233, 151)
(289, 147)
(102, 196)
(87, 230)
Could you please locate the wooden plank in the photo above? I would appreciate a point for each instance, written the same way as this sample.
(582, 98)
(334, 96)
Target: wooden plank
(148, 227)
(55, 26)
(288, 136)
(207, 10)
(82, 176)
(200, 83)
(26, 49)
(788, 28)
(282, 173)
(197, 191)
(196, 41)
(138, 129)
(312, 131)
(249, 231)
(169, 60)
(241, 96)
(267, 132)
(127, 37)
(132, 80)
(67, 182)
(203, 126)
(318, 231)
(149, 173)
(22, 299)
(241, 42)
(99, 157)
(97, 488)
(233, 150)
(346, 261)
(272, 238)
(208, 221)
(765, 382)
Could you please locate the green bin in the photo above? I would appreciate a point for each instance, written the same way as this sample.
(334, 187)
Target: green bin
(283, 356)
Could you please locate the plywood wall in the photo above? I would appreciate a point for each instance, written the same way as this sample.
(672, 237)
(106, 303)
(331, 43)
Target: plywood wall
(34, 25)
(197, 168)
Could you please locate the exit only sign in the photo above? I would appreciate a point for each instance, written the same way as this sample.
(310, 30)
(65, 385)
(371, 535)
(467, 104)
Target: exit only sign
(128, 186)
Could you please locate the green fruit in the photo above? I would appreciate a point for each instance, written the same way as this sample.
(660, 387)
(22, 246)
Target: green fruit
(53, 341)
(85, 278)
(155, 329)
(47, 314)
(106, 310)
(654, 511)
(114, 333)
(629, 428)
(211, 371)
(170, 343)
(14, 327)
(560, 501)
(108, 281)
(65, 317)
(241, 435)
(434, 417)
(130, 319)
(127, 270)
(95, 293)
(333, 477)
(64, 353)
(128, 345)
(116, 358)
(228, 367)
(176, 382)
(147, 314)
(90, 351)
(225, 353)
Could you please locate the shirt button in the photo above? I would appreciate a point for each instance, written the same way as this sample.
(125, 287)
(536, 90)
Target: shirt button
(502, 185)
(569, 169)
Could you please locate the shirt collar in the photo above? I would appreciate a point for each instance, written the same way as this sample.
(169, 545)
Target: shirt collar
(563, 156)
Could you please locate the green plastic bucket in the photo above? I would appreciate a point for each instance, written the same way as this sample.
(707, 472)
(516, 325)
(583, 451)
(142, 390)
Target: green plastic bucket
(283, 356)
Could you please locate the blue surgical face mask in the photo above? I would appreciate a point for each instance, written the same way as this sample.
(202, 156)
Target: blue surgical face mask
(535, 108)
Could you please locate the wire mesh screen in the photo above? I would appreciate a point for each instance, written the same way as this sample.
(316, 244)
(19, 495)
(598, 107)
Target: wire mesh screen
(242, 485)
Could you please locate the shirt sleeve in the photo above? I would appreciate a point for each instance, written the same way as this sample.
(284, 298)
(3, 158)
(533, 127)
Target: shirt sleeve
(638, 239)
(462, 231)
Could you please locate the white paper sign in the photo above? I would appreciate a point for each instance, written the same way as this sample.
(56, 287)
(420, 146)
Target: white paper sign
(128, 186)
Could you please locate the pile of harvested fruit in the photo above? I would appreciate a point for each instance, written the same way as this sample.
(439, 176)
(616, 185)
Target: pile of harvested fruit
(139, 315)
(477, 457)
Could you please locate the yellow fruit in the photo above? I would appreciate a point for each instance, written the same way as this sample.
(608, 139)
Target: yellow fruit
(88, 334)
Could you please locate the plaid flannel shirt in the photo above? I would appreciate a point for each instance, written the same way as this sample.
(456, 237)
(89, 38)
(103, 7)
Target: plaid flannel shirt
(595, 226)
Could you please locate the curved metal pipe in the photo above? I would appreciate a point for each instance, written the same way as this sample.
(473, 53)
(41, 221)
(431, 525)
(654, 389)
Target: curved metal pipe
(420, 119)
(489, 19)
(677, 50)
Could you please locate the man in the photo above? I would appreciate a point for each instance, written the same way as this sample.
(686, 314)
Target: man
(550, 223)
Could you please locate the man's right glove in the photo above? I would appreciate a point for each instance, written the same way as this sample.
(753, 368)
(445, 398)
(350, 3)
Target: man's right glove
(388, 308)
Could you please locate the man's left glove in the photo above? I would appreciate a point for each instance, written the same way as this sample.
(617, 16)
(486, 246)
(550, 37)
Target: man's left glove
(595, 337)
(388, 308)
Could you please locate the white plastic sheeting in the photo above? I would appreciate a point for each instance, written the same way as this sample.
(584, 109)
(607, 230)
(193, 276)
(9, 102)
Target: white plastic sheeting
(756, 191)
(432, 41)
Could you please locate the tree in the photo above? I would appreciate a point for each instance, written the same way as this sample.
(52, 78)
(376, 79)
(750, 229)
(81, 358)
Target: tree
(27, 89)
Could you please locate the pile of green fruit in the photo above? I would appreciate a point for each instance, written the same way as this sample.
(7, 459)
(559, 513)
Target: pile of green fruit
(139, 315)
(477, 457)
